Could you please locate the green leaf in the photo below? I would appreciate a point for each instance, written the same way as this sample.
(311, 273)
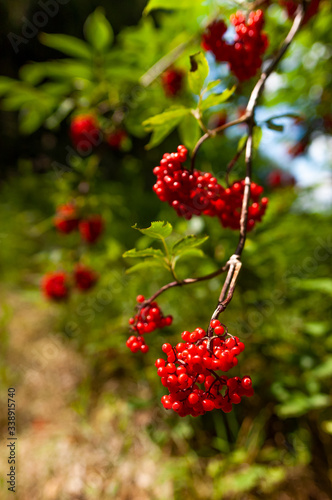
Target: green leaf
(98, 31)
(169, 5)
(188, 242)
(242, 142)
(147, 264)
(322, 371)
(257, 137)
(158, 230)
(216, 99)
(199, 70)
(195, 252)
(147, 252)
(69, 45)
(323, 285)
(162, 125)
(31, 120)
(6, 84)
(189, 131)
(294, 407)
(212, 85)
(63, 69)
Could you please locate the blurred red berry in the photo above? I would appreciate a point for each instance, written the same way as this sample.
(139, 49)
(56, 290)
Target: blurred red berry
(279, 178)
(55, 285)
(172, 81)
(218, 120)
(66, 219)
(84, 277)
(85, 133)
(116, 139)
(292, 5)
(91, 228)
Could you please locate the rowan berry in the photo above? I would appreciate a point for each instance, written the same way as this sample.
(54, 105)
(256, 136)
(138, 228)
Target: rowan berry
(66, 219)
(244, 55)
(91, 228)
(172, 81)
(84, 277)
(292, 5)
(85, 133)
(55, 285)
(117, 139)
(198, 193)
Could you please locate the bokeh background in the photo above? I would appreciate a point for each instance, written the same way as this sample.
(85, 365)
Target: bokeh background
(89, 419)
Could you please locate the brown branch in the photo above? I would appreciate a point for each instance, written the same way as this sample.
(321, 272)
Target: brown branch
(235, 262)
(187, 281)
(213, 133)
(233, 162)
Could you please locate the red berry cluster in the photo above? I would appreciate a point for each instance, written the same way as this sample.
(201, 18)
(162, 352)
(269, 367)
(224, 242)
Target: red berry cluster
(198, 193)
(196, 361)
(68, 220)
(172, 81)
(292, 5)
(86, 134)
(57, 285)
(229, 206)
(244, 55)
(148, 319)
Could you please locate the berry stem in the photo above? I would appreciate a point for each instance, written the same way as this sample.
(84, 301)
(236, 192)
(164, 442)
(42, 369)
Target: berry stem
(187, 281)
(212, 133)
(233, 162)
(234, 262)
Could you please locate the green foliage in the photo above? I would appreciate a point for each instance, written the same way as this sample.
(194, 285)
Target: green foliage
(199, 70)
(281, 307)
(162, 125)
(98, 31)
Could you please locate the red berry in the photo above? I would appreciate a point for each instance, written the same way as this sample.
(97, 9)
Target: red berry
(85, 133)
(291, 6)
(116, 139)
(246, 383)
(66, 219)
(166, 348)
(55, 286)
(84, 277)
(172, 81)
(91, 228)
(140, 299)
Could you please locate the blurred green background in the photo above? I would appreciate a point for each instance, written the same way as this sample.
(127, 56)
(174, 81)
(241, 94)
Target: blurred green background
(89, 419)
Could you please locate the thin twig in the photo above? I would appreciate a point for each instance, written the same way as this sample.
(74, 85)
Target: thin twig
(213, 133)
(235, 263)
(233, 162)
(187, 281)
